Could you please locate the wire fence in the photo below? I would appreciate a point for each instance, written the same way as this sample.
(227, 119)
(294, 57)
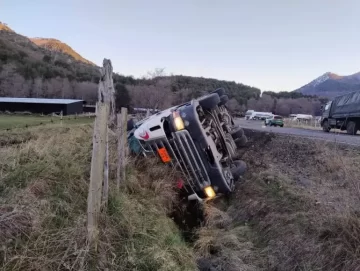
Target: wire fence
(303, 123)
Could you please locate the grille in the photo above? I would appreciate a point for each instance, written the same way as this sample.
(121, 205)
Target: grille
(184, 156)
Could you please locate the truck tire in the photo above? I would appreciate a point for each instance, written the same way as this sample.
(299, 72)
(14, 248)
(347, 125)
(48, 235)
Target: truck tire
(351, 128)
(219, 91)
(223, 100)
(238, 169)
(210, 101)
(326, 126)
(241, 142)
(237, 132)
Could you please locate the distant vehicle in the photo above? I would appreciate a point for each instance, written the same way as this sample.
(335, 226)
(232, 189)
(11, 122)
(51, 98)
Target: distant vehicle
(274, 121)
(253, 115)
(342, 113)
(248, 114)
(301, 117)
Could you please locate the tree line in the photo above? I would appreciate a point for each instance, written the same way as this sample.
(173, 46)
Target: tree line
(158, 91)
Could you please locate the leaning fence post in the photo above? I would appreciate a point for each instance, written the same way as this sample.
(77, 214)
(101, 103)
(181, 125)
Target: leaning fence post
(122, 143)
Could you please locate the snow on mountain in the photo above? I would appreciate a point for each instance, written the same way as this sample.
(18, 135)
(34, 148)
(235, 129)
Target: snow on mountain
(330, 85)
(323, 78)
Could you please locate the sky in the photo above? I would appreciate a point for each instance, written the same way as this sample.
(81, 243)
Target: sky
(276, 45)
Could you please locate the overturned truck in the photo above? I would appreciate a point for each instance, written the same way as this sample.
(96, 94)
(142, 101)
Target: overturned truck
(200, 139)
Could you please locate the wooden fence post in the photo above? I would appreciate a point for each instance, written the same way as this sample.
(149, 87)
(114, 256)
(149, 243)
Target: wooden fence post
(97, 172)
(107, 95)
(105, 195)
(122, 145)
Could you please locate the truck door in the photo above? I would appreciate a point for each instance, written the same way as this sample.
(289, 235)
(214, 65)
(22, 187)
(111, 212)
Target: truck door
(326, 111)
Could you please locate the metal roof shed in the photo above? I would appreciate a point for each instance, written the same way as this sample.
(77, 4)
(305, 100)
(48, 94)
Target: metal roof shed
(41, 105)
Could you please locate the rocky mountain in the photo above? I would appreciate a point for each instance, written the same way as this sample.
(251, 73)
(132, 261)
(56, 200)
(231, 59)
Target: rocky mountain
(330, 85)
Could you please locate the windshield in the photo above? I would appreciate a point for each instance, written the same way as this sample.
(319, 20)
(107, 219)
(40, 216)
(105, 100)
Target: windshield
(327, 106)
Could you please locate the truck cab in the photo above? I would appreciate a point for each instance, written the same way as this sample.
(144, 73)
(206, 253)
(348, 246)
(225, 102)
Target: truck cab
(326, 111)
(199, 140)
(343, 113)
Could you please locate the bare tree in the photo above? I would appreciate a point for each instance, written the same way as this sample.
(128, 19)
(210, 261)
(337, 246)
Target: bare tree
(157, 72)
(158, 95)
(154, 97)
(233, 105)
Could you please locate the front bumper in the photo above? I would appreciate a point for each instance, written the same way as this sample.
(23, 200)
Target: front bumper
(184, 157)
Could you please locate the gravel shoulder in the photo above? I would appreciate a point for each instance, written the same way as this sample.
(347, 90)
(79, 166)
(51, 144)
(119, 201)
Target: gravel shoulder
(320, 135)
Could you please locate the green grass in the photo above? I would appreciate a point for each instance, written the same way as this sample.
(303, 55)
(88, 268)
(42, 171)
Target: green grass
(23, 121)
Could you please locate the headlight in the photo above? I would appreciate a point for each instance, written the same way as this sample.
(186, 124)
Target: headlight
(209, 192)
(178, 121)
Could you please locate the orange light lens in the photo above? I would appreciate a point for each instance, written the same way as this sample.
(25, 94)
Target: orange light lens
(164, 155)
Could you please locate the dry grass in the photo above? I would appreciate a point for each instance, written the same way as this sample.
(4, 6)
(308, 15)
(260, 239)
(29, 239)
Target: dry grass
(300, 201)
(223, 245)
(43, 192)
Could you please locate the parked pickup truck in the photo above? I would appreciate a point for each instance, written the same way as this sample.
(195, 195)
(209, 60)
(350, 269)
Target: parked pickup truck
(342, 113)
(200, 139)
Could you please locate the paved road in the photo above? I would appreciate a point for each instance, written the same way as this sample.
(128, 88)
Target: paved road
(333, 137)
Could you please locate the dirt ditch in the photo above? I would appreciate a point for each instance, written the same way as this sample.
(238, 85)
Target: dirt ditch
(297, 208)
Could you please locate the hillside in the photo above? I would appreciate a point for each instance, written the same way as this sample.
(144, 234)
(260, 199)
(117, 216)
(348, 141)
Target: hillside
(5, 27)
(49, 68)
(331, 85)
(42, 67)
(58, 46)
(28, 70)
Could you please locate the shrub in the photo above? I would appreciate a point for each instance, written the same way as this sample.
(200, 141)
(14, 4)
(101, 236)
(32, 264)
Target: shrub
(47, 58)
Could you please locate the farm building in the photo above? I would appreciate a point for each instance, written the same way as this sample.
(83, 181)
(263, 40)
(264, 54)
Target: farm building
(41, 106)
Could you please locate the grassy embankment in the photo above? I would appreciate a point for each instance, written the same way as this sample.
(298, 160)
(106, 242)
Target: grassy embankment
(44, 175)
(297, 209)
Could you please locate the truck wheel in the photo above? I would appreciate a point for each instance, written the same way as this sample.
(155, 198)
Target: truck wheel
(210, 101)
(238, 169)
(237, 132)
(326, 126)
(241, 142)
(223, 100)
(351, 128)
(219, 91)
